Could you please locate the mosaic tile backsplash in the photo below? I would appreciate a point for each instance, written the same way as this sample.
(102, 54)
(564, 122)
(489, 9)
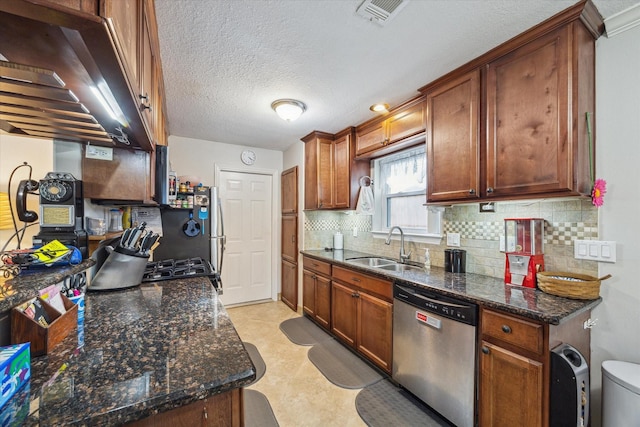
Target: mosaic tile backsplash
(565, 221)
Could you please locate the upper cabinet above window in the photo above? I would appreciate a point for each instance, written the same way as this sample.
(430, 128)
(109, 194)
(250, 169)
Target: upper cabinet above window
(402, 127)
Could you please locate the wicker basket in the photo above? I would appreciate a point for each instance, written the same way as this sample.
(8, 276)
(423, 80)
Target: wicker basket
(570, 285)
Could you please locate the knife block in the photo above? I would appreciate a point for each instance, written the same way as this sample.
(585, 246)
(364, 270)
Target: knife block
(122, 269)
(44, 339)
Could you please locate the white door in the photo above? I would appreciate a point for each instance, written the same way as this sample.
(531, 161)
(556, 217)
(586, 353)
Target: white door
(246, 200)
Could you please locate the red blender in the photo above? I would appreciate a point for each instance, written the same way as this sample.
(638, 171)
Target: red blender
(524, 250)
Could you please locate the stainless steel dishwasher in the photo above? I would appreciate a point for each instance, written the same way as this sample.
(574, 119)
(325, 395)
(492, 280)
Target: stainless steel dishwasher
(434, 351)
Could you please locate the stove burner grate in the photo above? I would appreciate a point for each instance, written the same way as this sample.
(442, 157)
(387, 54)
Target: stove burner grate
(173, 269)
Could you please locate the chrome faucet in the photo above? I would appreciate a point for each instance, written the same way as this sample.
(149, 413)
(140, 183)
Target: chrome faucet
(403, 257)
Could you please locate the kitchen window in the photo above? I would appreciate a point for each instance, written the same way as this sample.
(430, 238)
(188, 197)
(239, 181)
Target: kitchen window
(400, 187)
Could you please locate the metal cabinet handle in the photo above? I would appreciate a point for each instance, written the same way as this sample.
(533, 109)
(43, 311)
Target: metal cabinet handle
(146, 107)
(490, 190)
(204, 413)
(144, 97)
(355, 279)
(506, 329)
(485, 350)
(472, 191)
(293, 239)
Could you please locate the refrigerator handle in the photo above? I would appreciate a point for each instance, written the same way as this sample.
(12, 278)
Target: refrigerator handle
(223, 239)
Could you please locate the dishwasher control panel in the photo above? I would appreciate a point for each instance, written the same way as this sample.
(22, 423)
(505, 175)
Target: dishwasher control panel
(451, 308)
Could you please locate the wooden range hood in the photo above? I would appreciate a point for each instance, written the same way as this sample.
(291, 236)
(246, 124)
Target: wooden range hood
(56, 58)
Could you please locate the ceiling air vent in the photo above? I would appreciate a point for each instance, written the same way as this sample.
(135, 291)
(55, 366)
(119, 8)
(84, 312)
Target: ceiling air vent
(380, 11)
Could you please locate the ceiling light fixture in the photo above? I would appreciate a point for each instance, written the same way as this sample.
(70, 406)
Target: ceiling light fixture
(380, 108)
(288, 109)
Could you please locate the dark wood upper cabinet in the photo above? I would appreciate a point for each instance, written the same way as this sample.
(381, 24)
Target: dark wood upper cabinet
(517, 128)
(126, 177)
(453, 139)
(400, 128)
(288, 184)
(331, 170)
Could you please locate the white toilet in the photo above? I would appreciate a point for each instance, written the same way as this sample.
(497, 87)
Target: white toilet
(620, 394)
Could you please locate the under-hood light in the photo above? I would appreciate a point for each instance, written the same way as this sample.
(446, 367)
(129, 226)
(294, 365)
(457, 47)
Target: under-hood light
(114, 111)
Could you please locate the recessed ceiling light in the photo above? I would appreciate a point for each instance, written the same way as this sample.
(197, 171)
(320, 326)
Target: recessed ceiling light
(380, 108)
(288, 109)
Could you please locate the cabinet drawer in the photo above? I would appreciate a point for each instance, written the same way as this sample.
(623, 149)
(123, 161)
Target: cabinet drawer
(511, 330)
(317, 266)
(367, 283)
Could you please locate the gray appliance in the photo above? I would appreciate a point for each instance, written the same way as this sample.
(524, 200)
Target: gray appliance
(178, 240)
(569, 393)
(434, 351)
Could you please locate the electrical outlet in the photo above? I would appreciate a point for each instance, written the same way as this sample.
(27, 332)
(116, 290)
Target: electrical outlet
(502, 245)
(595, 250)
(100, 153)
(453, 239)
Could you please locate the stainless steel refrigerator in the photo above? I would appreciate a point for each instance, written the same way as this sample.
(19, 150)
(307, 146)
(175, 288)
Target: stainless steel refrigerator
(194, 232)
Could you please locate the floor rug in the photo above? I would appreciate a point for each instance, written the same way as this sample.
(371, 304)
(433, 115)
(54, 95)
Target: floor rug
(341, 366)
(257, 410)
(257, 360)
(383, 404)
(303, 331)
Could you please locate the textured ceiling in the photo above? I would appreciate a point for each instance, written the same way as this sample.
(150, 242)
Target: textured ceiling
(225, 61)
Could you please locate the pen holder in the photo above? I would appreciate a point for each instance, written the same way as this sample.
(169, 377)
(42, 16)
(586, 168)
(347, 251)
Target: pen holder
(43, 339)
(122, 269)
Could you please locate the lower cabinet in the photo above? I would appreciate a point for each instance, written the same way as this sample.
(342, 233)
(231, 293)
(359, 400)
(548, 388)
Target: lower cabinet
(224, 409)
(289, 292)
(316, 291)
(360, 318)
(511, 388)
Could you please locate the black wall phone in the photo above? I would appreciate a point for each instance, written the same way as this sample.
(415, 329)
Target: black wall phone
(26, 186)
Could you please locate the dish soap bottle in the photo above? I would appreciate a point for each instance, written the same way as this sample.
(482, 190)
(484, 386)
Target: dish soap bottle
(427, 259)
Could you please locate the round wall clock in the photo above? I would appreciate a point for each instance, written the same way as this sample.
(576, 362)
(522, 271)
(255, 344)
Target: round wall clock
(248, 157)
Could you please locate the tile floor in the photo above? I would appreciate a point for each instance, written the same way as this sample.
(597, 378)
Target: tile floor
(298, 393)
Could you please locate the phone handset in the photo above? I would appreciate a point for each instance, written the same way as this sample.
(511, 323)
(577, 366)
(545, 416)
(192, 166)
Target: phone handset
(25, 187)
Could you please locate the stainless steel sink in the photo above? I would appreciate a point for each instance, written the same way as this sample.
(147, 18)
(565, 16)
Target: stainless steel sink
(400, 267)
(372, 261)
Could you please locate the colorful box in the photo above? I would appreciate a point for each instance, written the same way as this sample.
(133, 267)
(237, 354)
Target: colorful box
(15, 369)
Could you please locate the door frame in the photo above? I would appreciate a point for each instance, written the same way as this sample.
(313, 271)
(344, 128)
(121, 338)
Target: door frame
(275, 208)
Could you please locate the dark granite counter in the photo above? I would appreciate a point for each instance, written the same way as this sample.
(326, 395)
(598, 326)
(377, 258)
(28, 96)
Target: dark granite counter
(138, 352)
(28, 282)
(488, 291)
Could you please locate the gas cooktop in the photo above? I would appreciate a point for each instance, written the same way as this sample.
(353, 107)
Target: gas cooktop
(180, 269)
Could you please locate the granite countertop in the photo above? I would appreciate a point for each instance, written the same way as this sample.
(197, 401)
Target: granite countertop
(27, 284)
(488, 291)
(138, 352)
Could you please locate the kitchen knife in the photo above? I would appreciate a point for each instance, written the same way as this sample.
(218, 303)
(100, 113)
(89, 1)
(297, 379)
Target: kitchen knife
(135, 235)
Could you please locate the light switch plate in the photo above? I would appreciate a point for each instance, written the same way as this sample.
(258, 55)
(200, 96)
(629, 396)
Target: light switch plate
(453, 239)
(595, 250)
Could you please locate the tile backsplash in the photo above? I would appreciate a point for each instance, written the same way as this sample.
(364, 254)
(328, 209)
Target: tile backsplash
(565, 221)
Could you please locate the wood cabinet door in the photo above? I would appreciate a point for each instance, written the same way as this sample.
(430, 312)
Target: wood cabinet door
(289, 293)
(405, 123)
(289, 190)
(309, 292)
(342, 172)
(374, 337)
(326, 167)
(343, 313)
(123, 19)
(290, 238)
(371, 138)
(529, 143)
(453, 134)
(147, 90)
(126, 177)
(511, 389)
(323, 301)
(224, 409)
